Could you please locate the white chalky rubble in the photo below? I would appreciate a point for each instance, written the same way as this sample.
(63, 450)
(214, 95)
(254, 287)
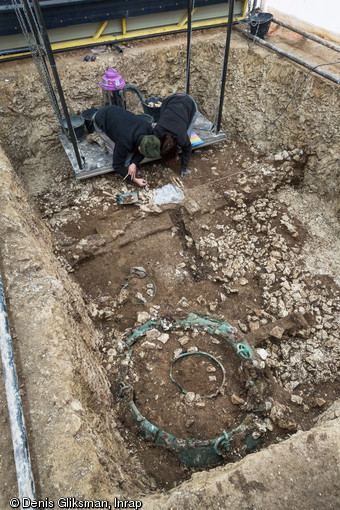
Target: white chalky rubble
(242, 253)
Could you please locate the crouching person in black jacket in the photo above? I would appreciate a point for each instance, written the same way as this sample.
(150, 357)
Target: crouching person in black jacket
(177, 116)
(125, 133)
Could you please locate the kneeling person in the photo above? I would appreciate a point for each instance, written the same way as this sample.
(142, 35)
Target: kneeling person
(125, 133)
(177, 116)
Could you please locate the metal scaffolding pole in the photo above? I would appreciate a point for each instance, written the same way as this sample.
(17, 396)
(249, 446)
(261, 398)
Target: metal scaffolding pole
(225, 62)
(298, 60)
(313, 37)
(52, 63)
(187, 88)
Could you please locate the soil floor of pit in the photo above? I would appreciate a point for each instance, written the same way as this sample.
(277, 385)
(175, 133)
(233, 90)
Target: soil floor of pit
(102, 243)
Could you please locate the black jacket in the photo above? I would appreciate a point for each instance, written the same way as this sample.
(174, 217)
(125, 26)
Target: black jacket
(177, 112)
(125, 129)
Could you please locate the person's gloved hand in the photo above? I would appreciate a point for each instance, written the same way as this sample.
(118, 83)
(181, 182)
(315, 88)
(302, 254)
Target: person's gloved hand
(132, 171)
(140, 182)
(185, 172)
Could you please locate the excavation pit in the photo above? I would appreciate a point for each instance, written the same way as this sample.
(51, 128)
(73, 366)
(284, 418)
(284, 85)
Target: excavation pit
(254, 240)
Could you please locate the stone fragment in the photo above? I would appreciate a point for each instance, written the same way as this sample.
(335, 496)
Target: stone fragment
(201, 300)
(297, 399)
(73, 424)
(269, 425)
(189, 397)
(277, 332)
(189, 423)
(177, 352)
(121, 346)
(183, 302)
(140, 297)
(183, 340)
(138, 271)
(76, 405)
(200, 404)
(143, 317)
(148, 345)
(243, 327)
(152, 334)
(192, 349)
(123, 296)
(191, 206)
(320, 401)
(213, 306)
(253, 326)
(163, 337)
(280, 415)
(262, 353)
(237, 400)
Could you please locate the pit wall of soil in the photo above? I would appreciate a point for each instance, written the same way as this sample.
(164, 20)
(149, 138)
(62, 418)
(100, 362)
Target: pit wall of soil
(259, 85)
(75, 447)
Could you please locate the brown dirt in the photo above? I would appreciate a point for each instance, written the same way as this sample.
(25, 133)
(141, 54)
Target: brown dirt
(123, 237)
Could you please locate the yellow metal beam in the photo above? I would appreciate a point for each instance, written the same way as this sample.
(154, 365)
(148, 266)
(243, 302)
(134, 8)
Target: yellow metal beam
(124, 26)
(182, 23)
(99, 38)
(100, 30)
(135, 34)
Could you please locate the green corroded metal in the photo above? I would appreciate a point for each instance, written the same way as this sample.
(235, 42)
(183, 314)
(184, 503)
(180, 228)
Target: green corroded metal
(201, 322)
(185, 354)
(191, 452)
(147, 429)
(141, 332)
(221, 328)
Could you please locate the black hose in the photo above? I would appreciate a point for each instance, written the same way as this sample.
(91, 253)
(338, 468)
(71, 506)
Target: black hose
(117, 47)
(16, 416)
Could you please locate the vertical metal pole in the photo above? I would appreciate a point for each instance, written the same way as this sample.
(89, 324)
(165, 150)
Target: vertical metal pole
(51, 60)
(225, 62)
(39, 52)
(187, 88)
(16, 416)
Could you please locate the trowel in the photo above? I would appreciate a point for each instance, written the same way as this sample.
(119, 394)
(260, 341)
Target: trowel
(125, 198)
